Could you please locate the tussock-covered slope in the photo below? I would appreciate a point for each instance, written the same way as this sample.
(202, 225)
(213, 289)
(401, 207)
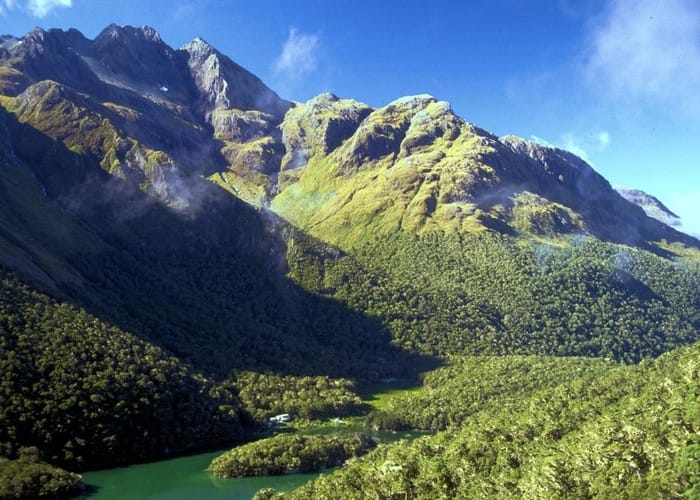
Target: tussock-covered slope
(414, 165)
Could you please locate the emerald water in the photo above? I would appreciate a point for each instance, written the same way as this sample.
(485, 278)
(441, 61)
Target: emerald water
(180, 478)
(185, 477)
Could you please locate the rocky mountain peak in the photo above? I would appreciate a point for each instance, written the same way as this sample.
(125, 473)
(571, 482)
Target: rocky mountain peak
(651, 205)
(221, 83)
(43, 55)
(412, 101)
(137, 33)
(319, 126)
(140, 107)
(199, 47)
(135, 58)
(381, 133)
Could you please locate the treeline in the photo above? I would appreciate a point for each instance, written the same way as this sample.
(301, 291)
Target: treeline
(212, 290)
(627, 432)
(493, 294)
(287, 453)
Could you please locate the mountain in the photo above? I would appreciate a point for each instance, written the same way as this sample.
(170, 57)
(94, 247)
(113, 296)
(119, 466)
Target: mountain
(156, 116)
(651, 206)
(257, 256)
(414, 165)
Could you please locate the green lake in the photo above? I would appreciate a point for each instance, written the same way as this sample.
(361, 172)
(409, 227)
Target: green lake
(185, 477)
(180, 478)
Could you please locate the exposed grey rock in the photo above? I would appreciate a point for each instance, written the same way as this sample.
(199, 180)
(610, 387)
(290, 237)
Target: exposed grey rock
(382, 132)
(651, 206)
(242, 126)
(221, 83)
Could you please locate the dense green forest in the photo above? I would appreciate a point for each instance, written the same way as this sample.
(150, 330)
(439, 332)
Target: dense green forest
(285, 453)
(89, 395)
(309, 398)
(600, 431)
(26, 476)
(434, 294)
(469, 384)
(492, 294)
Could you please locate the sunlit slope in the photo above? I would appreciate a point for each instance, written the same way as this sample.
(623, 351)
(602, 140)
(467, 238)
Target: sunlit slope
(604, 432)
(353, 172)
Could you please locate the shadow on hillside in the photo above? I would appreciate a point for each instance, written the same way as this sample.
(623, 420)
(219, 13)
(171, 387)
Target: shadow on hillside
(210, 284)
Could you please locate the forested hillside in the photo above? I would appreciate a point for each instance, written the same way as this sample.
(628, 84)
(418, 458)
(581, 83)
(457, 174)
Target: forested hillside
(491, 294)
(87, 394)
(602, 432)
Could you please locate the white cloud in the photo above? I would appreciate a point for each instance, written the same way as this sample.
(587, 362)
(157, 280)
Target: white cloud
(572, 143)
(41, 8)
(647, 52)
(37, 8)
(541, 141)
(578, 144)
(298, 57)
(6, 5)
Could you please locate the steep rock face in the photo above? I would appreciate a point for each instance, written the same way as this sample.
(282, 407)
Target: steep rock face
(221, 83)
(380, 135)
(136, 58)
(245, 115)
(145, 112)
(46, 55)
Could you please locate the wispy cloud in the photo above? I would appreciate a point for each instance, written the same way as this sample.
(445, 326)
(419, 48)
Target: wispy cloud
(41, 8)
(183, 10)
(37, 8)
(298, 58)
(571, 142)
(579, 144)
(6, 5)
(540, 140)
(603, 139)
(646, 52)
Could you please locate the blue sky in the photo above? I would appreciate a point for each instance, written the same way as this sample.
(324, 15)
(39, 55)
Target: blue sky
(614, 81)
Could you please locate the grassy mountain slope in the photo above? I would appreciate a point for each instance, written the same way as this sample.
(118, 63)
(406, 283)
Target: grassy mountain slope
(415, 166)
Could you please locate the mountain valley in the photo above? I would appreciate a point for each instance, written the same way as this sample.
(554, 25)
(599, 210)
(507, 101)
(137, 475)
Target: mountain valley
(185, 254)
